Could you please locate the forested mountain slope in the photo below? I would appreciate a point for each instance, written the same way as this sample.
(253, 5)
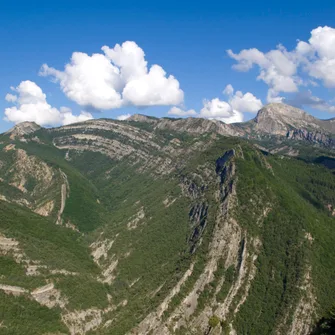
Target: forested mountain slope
(159, 226)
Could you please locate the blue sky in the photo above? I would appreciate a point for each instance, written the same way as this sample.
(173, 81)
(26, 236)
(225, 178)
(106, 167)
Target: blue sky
(188, 40)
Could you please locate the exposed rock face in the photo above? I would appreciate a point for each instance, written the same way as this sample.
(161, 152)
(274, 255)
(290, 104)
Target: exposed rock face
(136, 219)
(22, 128)
(291, 123)
(64, 192)
(49, 296)
(15, 290)
(107, 125)
(45, 209)
(198, 126)
(25, 167)
(275, 119)
(35, 181)
(189, 125)
(111, 148)
(310, 136)
(100, 249)
(83, 321)
(304, 313)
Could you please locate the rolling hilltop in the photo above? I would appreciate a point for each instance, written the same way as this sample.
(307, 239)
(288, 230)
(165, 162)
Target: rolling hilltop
(168, 226)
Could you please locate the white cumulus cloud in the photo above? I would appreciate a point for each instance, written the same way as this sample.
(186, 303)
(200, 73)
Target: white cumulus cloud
(220, 110)
(10, 97)
(89, 81)
(118, 77)
(277, 68)
(31, 105)
(284, 71)
(321, 58)
(229, 111)
(229, 90)
(242, 102)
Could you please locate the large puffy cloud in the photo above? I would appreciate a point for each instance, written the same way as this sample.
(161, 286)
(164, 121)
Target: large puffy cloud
(89, 81)
(129, 58)
(277, 68)
(283, 70)
(321, 56)
(324, 69)
(153, 89)
(242, 102)
(322, 41)
(220, 110)
(117, 77)
(31, 105)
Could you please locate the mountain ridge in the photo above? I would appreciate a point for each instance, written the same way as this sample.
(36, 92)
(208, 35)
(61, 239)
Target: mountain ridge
(284, 116)
(275, 119)
(167, 227)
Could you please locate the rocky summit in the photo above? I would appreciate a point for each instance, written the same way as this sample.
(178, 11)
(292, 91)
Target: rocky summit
(275, 120)
(169, 226)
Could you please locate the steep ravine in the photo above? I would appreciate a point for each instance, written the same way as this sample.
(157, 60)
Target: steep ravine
(231, 250)
(229, 245)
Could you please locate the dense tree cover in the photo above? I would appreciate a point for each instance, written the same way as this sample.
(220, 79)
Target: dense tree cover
(20, 315)
(105, 195)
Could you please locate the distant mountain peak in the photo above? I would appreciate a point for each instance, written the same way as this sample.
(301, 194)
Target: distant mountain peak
(278, 118)
(281, 109)
(23, 128)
